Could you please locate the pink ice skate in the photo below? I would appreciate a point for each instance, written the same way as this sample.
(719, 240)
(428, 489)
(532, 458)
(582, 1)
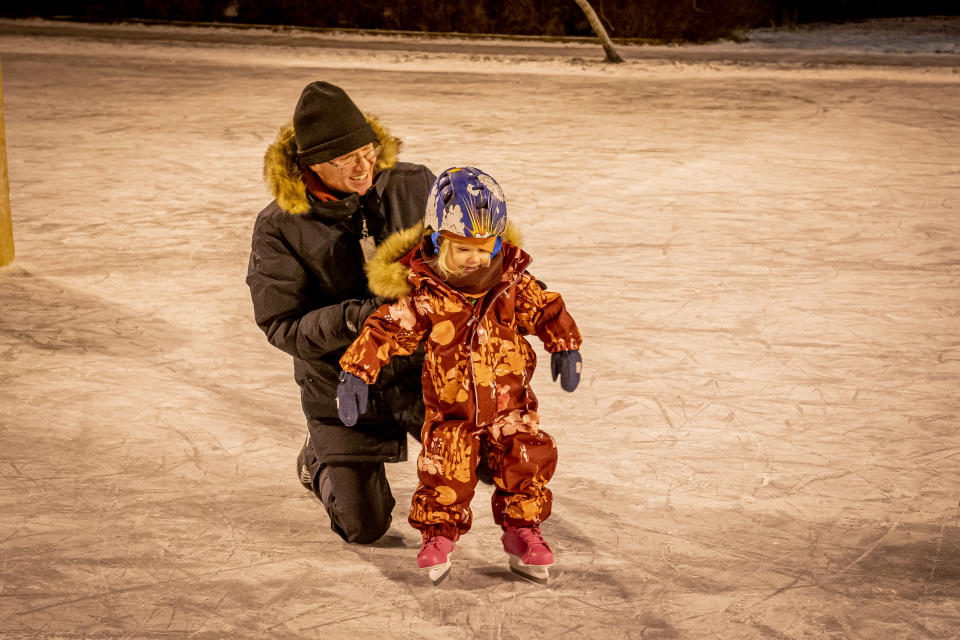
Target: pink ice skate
(530, 555)
(434, 557)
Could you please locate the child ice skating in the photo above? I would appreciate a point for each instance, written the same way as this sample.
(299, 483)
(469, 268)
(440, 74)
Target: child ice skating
(461, 287)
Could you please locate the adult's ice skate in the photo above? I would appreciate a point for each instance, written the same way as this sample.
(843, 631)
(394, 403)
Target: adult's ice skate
(434, 557)
(530, 555)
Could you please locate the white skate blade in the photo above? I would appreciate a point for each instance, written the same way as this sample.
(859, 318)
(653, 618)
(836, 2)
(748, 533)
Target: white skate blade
(538, 573)
(438, 573)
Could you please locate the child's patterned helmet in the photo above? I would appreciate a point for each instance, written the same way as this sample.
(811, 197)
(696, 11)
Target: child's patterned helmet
(466, 202)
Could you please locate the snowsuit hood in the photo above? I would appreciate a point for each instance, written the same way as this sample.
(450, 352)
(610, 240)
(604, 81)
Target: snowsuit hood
(284, 177)
(388, 273)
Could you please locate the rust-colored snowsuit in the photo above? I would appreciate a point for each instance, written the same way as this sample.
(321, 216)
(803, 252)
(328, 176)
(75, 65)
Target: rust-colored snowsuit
(476, 376)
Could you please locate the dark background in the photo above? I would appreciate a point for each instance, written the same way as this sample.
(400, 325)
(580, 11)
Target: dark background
(660, 20)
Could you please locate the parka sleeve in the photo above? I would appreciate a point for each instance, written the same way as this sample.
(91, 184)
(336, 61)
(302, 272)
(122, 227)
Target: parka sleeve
(278, 284)
(395, 329)
(543, 314)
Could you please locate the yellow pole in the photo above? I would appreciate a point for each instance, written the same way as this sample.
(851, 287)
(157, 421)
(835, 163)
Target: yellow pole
(6, 226)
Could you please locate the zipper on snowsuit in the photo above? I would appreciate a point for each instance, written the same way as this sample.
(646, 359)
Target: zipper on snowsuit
(473, 376)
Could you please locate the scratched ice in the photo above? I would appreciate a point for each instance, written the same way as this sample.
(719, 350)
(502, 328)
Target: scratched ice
(759, 241)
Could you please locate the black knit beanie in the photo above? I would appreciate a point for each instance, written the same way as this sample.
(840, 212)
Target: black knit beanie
(326, 124)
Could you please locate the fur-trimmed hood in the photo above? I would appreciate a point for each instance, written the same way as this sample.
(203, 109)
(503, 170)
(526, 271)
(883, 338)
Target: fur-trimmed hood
(281, 169)
(389, 277)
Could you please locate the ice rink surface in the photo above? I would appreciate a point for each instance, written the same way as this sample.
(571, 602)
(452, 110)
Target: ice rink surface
(760, 242)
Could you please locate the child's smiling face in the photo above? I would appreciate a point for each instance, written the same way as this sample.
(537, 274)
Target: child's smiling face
(466, 258)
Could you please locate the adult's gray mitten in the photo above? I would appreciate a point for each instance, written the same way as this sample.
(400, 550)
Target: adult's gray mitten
(357, 311)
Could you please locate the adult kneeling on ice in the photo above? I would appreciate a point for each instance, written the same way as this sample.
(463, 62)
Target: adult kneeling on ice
(338, 191)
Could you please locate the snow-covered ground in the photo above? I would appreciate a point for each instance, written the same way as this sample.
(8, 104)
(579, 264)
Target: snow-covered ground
(759, 241)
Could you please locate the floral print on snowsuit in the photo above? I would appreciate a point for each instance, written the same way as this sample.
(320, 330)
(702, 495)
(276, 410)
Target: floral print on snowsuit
(476, 376)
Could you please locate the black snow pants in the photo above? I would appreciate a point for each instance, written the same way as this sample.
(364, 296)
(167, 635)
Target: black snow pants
(356, 495)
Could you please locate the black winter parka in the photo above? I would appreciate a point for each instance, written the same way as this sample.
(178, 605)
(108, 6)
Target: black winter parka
(310, 295)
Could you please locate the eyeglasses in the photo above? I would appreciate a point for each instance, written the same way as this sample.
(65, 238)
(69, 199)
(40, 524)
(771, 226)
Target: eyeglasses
(347, 162)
